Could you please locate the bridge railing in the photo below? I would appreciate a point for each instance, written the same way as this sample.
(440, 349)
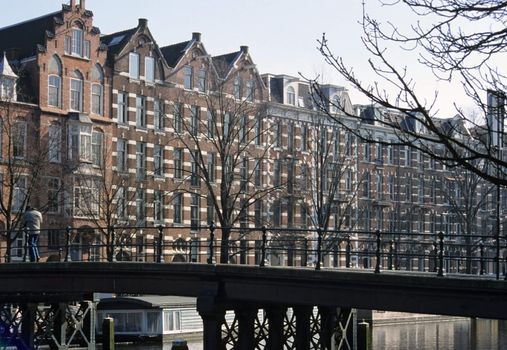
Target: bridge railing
(437, 253)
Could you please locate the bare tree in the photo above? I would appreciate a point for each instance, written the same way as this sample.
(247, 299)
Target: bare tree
(23, 167)
(230, 137)
(451, 42)
(102, 196)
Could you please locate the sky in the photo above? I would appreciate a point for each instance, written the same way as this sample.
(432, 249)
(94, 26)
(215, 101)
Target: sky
(281, 34)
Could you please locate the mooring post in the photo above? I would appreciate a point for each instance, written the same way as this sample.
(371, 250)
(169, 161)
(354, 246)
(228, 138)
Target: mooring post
(108, 333)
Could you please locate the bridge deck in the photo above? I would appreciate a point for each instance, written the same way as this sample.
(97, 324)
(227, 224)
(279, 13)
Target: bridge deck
(393, 291)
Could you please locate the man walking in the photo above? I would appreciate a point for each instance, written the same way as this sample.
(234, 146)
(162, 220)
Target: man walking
(32, 220)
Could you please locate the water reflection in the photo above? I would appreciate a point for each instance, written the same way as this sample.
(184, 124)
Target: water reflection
(463, 334)
(460, 334)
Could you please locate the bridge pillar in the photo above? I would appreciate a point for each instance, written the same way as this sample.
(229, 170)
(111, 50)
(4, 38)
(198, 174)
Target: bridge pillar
(275, 316)
(246, 327)
(29, 314)
(212, 314)
(302, 337)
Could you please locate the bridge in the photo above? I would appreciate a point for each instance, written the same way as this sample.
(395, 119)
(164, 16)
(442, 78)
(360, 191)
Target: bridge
(320, 299)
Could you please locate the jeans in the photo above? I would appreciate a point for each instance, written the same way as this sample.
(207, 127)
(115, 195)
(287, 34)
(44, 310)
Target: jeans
(33, 247)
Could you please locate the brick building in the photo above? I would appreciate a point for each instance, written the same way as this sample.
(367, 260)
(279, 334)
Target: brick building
(128, 133)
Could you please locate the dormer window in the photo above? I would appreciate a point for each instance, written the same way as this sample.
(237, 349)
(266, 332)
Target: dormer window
(7, 81)
(291, 96)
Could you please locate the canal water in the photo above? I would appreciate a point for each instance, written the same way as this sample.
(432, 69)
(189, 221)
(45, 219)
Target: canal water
(457, 334)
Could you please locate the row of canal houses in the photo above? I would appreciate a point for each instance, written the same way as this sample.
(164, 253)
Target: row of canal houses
(101, 130)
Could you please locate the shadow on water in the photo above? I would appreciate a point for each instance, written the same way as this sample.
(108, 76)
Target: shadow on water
(462, 334)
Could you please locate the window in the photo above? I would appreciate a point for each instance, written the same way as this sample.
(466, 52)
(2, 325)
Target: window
(140, 206)
(122, 108)
(408, 189)
(243, 211)
(76, 91)
(390, 154)
(20, 193)
(97, 145)
(379, 182)
(390, 187)
(304, 177)
(80, 142)
(408, 156)
(172, 321)
(243, 184)
(158, 114)
(140, 160)
(291, 96)
(277, 208)
(194, 120)
(53, 195)
(158, 160)
(55, 143)
(304, 137)
(54, 90)
(97, 90)
(250, 91)
(243, 129)
(76, 45)
(227, 125)
(366, 185)
(258, 210)
(158, 206)
(211, 125)
(134, 65)
(211, 167)
(121, 203)
(277, 135)
(194, 169)
(188, 77)
(236, 88)
(258, 131)
(276, 172)
(380, 152)
(178, 163)
(348, 180)
(19, 139)
(77, 41)
(86, 198)
(366, 152)
(290, 138)
(141, 111)
(178, 208)
(121, 155)
(202, 80)
(258, 173)
(149, 69)
(54, 82)
(210, 209)
(178, 117)
(194, 211)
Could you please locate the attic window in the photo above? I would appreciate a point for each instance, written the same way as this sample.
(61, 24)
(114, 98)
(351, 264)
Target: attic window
(116, 40)
(75, 44)
(291, 96)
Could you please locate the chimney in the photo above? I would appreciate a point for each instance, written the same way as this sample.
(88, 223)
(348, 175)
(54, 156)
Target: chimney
(72, 4)
(196, 36)
(244, 49)
(143, 22)
(82, 4)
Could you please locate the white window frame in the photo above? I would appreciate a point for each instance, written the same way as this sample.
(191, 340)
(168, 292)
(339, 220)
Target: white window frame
(55, 143)
(149, 69)
(134, 65)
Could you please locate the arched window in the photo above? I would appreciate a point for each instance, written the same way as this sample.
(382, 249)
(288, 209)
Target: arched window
(291, 96)
(97, 97)
(76, 91)
(55, 82)
(75, 44)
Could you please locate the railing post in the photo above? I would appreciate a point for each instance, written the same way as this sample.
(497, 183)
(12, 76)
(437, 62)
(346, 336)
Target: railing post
(435, 256)
(160, 244)
(481, 247)
(304, 258)
(262, 263)
(378, 255)
(319, 248)
(348, 249)
(212, 228)
(391, 254)
(67, 243)
(441, 254)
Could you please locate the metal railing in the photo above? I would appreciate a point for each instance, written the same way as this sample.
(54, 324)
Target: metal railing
(436, 253)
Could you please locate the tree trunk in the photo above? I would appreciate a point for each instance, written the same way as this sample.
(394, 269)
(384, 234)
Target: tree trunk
(224, 247)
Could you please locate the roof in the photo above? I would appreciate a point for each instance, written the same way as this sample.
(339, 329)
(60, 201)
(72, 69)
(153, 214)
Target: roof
(25, 36)
(146, 302)
(116, 41)
(224, 62)
(173, 53)
(5, 68)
